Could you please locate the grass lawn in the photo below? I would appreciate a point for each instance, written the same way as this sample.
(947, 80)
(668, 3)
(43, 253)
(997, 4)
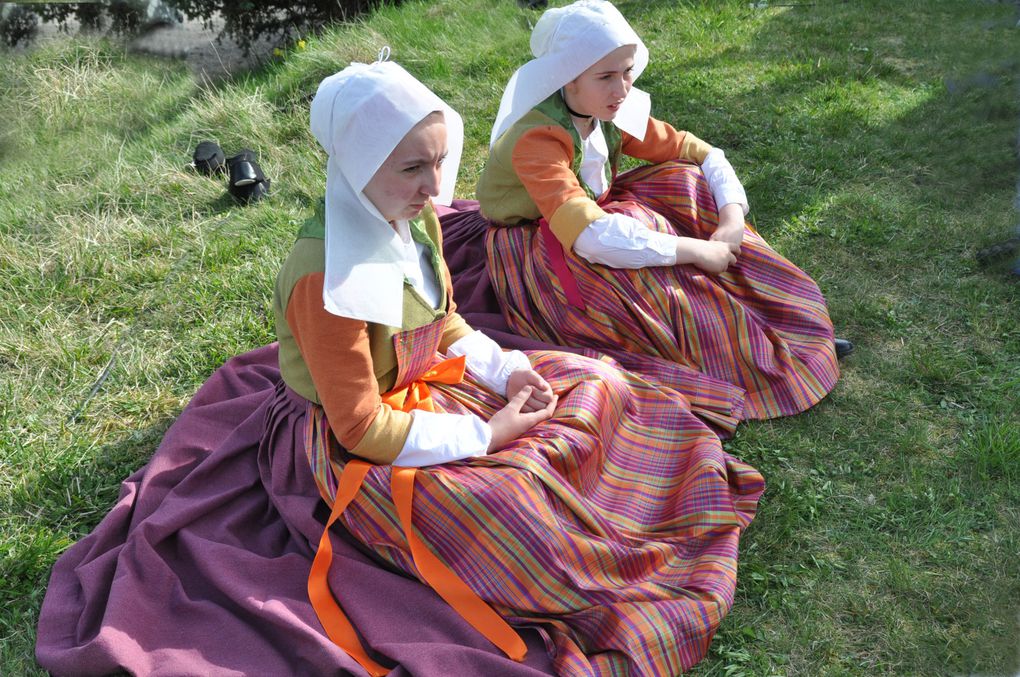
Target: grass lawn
(876, 140)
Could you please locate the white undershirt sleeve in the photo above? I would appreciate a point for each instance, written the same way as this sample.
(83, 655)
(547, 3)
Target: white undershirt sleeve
(437, 438)
(723, 181)
(487, 362)
(622, 241)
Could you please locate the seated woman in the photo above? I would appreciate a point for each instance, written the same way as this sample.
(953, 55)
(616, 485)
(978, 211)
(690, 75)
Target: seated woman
(657, 260)
(555, 493)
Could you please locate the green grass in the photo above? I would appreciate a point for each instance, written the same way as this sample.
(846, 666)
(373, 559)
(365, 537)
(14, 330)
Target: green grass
(875, 154)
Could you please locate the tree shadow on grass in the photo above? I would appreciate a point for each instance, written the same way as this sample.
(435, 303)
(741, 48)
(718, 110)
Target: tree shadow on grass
(56, 506)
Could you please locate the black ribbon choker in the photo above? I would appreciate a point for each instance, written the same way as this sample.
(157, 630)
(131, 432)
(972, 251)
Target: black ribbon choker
(574, 112)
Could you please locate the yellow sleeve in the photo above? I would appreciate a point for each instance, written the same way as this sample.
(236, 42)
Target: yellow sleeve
(456, 329)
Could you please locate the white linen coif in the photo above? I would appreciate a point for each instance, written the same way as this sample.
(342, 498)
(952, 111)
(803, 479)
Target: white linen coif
(358, 116)
(567, 41)
(418, 268)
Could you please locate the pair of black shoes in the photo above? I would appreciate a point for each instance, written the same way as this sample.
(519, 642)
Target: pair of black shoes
(246, 182)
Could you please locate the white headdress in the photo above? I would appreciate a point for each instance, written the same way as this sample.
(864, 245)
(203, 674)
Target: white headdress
(567, 41)
(359, 115)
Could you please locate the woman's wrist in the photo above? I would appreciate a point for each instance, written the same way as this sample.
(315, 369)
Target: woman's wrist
(687, 249)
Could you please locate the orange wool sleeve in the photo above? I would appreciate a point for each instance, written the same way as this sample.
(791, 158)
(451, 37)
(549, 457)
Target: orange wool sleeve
(663, 143)
(336, 351)
(542, 160)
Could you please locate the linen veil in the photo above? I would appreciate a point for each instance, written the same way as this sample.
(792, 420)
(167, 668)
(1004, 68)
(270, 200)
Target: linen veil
(567, 41)
(358, 116)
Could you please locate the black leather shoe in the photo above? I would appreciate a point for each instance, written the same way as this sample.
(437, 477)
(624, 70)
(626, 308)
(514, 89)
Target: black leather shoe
(843, 348)
(208, 158)
(244, 169)
(247, 183)
(253, 192)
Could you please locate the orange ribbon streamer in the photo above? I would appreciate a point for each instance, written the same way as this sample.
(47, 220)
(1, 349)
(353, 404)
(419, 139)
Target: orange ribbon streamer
(334, 620)
(441, 578)
(445, 582)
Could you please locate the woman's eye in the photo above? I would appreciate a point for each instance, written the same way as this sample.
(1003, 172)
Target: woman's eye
(412, 169)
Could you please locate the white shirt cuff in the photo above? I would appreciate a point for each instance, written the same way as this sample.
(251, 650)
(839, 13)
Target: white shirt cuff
(723, 181)
(437, 438)
(487, 362)
(622, 241)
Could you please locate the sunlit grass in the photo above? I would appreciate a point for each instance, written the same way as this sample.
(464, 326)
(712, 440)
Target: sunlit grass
(878, 147)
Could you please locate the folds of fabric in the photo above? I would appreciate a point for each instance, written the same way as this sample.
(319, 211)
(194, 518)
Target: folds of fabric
(612, 527)
(607, 537)
(201, 566)
(762, 326)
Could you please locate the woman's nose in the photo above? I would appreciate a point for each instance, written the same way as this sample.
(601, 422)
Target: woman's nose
(622, 88)
(430, 185)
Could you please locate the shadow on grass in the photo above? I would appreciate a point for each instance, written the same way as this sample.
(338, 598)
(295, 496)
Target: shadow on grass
(880, 176)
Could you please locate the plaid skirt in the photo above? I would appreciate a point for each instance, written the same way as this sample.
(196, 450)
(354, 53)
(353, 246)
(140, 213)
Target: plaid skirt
(762, 325)
(611, 528)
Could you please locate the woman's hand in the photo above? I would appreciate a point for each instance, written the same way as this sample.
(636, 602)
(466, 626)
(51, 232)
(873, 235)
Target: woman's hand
(710, 256)
(509, 423)
(731, 227)
(541, 391)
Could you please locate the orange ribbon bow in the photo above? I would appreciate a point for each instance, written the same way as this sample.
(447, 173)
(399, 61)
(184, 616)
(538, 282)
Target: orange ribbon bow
(416, 394)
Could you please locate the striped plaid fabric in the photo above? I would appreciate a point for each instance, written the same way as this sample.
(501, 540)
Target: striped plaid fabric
(416, 351)
(716, 402)
(613, 526)
(762, 325)
(318, 445)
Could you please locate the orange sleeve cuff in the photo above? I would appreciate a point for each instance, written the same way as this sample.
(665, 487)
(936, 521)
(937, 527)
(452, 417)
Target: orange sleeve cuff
(456, 328)
(572, 217)
(385, 436)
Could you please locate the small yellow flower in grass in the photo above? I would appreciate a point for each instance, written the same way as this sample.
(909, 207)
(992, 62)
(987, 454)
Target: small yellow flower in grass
(277, 51)
(301, 44)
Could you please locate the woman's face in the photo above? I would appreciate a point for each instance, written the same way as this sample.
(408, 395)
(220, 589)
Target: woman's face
(411, 174)
(601, 89)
